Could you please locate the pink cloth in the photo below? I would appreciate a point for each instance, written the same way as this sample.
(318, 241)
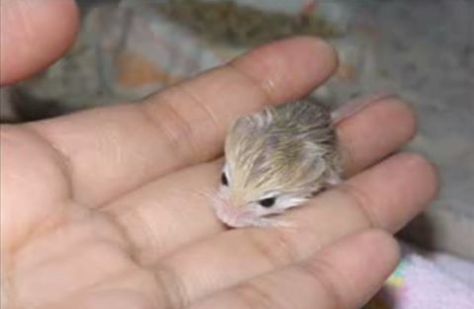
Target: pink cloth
(428, 281)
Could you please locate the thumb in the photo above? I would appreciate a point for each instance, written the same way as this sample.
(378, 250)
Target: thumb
(34, 33)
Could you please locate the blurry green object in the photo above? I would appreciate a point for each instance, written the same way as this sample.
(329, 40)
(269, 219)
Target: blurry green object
(240, 25)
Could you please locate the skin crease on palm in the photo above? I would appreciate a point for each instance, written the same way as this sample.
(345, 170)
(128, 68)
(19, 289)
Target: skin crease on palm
(110, 208)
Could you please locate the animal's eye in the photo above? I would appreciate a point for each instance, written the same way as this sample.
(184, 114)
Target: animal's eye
(267, 202)
(224, 180)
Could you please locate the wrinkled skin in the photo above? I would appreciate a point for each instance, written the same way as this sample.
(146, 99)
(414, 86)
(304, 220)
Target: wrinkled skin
(104, 209)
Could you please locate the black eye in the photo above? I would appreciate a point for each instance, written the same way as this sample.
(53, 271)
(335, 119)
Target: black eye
(267, 202)
(224, 180)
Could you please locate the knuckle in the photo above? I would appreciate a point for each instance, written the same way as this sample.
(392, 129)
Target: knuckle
(169, 122)
(265, 90)
(275, 247)
(322, 273)
(170, 288)
(362, 202)
(255, 297)
(133, 226)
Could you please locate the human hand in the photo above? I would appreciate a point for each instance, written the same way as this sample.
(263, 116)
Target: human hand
(105, 208)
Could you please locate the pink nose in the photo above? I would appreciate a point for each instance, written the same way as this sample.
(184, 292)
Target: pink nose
(233, 216)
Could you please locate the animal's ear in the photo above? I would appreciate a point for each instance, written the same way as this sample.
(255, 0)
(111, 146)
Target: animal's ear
(243, 125)
(335, 172)
(251, 123)
(313, 160)
(333, 179)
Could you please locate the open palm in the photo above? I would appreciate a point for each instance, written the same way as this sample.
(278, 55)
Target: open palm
(110, 208)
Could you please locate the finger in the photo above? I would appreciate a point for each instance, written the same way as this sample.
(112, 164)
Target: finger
(34, 34)
(371, 135)
(345, 275)
(173, 211)
(185, 124)
(368, 200)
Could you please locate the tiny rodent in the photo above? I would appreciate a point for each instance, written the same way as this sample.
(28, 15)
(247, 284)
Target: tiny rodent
(275, 160)
(279, 158)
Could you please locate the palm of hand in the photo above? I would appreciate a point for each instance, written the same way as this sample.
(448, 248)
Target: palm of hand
(103, 209)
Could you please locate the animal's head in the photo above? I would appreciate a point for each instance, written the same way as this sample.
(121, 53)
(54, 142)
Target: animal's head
(266, 171)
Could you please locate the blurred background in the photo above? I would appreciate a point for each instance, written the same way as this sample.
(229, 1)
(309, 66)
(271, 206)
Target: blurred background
(423, 50)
